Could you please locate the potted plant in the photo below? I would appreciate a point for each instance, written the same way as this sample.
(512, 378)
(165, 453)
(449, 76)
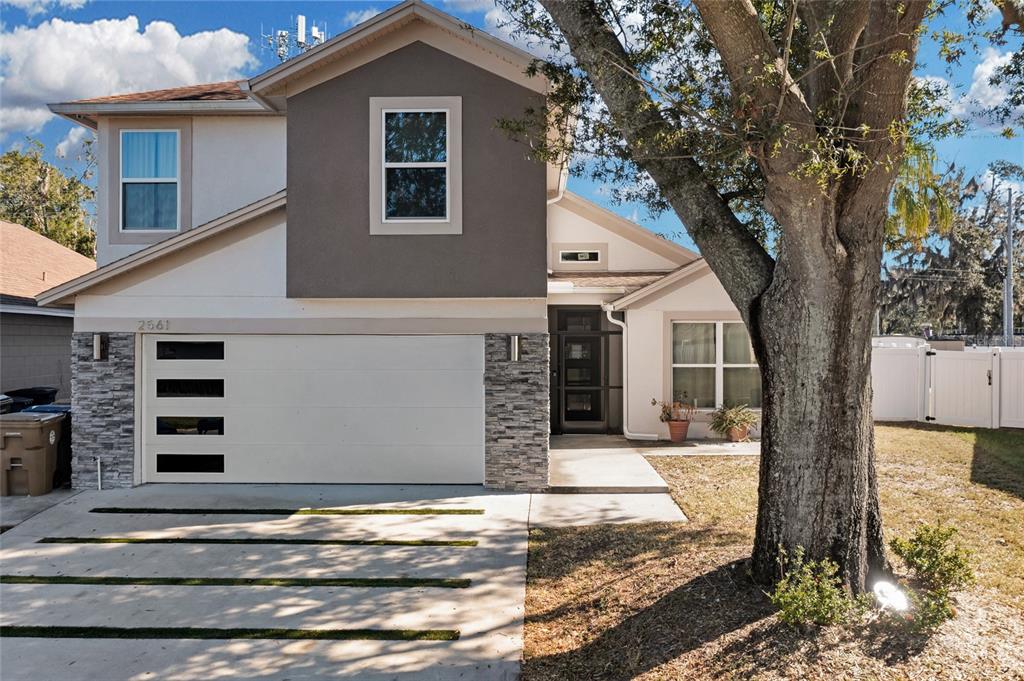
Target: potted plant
(733, 423)
(677, 415)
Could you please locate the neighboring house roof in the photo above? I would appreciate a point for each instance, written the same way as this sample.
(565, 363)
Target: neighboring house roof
(627, 229)
(227, 90)
(628, 281)
(66, 292)
(31, 263)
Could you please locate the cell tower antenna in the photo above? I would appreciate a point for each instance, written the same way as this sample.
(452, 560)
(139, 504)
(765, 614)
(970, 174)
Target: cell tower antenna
(285, 43)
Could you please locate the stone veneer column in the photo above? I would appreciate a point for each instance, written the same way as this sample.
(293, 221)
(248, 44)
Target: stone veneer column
(518, 413)
(103, 411)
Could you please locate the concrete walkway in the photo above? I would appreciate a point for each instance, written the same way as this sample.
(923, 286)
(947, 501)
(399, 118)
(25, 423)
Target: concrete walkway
(15, 510)
(618, 443)
(600, 470)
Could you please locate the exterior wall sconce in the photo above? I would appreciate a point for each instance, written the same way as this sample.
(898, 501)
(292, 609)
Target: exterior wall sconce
(513, 347)
(100, 347)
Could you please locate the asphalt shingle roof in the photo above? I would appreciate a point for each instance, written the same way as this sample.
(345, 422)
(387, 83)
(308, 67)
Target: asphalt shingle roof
(30, 263)
(224, 91)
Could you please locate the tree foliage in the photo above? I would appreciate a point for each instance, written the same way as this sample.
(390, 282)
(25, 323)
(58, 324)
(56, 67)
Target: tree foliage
(675, 58)
(47, 200)
(952, 279)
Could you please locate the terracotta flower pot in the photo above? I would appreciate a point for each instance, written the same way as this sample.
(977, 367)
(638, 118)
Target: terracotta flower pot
(737, 434)
(677, 430)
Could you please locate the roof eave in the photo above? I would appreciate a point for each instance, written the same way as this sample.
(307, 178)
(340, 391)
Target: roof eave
(666, 282)
(65, 293)
(272, 78)
(81, 112)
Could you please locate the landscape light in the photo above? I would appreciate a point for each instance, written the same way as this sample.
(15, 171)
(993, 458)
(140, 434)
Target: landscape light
(890, 596)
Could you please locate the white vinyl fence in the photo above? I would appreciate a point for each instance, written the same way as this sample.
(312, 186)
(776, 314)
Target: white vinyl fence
(980, 387)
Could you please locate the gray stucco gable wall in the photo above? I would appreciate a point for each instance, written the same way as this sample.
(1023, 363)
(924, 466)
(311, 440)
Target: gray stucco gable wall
(331, 254)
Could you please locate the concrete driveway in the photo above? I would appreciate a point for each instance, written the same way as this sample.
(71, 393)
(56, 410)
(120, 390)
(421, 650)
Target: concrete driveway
(233, 584)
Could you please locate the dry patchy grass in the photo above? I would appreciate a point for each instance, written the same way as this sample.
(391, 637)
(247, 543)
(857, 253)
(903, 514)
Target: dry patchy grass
(671, 600)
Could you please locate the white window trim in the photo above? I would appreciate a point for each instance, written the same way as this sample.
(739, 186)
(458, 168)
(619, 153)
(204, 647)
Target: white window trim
(579, 262)
(385, 164)
(141, 180)
(719, 365)
(452, 223)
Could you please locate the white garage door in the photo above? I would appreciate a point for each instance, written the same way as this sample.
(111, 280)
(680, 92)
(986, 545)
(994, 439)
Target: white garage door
(374, 409)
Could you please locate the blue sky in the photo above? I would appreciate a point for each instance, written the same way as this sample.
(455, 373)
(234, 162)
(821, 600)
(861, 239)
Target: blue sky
(57, 50)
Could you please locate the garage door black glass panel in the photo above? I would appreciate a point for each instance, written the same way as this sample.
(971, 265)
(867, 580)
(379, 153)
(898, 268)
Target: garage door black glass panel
(189, 350)
(189, 425)
(189, 463)
(190, 387)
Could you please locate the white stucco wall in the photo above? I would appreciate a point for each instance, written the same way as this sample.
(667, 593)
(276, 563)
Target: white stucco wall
(650, 343)
(565, 226)
(236, 160)
(235, 283)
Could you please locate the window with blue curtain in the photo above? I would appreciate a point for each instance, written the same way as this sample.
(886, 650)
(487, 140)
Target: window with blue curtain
(149, 179)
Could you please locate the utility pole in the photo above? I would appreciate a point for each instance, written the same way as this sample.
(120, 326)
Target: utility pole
(1008, 282)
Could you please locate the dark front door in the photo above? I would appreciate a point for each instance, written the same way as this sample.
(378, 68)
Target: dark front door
(581, 389)
(582, 380)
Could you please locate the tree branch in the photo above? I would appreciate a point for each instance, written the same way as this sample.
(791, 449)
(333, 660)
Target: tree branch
(838, 25)
(741, 263)
(878, 102)
(757, 73)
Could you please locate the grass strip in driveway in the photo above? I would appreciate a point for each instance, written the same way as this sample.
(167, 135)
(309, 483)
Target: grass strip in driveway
(376, 582)
(258, 540)
(228, 634)
(289, 511)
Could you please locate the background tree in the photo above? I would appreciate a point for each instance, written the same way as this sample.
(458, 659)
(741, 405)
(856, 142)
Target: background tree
(952, 280)
(40, 196)
(778, 122)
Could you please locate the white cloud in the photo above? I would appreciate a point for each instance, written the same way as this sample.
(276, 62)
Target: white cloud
(497, 22)
(357, 17)
(73, 144)
(59, 61)
(982, 94)
(35, 7)
(1002, 184)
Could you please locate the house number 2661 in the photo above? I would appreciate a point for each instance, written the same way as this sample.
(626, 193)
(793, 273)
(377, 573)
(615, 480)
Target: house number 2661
(154, 325)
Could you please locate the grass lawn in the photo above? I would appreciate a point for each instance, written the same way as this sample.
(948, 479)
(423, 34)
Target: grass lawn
(672, 601)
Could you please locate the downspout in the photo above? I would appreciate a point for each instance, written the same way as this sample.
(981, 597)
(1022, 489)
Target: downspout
(630, 435)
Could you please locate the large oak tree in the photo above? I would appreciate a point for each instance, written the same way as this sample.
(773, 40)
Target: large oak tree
(775, 130)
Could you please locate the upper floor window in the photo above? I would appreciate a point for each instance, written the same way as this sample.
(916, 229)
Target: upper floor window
(150, 197)
(713, 364)
(415, 165)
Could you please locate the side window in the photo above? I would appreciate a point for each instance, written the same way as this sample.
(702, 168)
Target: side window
(149, 183)
(713, 364)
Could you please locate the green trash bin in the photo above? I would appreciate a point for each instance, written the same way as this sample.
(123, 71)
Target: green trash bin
(28, 452)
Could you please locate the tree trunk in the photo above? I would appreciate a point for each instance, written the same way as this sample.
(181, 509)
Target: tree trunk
(817, 487)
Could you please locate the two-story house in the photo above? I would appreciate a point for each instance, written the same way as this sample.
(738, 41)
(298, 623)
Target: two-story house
(341, 270)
